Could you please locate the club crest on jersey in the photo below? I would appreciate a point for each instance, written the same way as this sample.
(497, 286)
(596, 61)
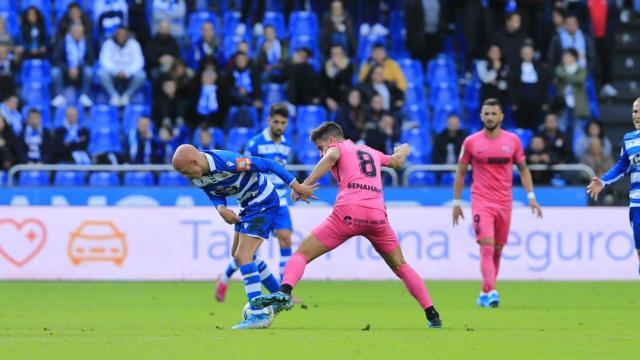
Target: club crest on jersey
(243, 164)
(635, 160)
(505, 149)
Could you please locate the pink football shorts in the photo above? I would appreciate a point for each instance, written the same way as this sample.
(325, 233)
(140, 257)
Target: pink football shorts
(491, 222)
(348, 221)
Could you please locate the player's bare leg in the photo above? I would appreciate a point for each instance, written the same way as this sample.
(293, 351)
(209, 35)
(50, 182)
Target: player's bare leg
(639, 261)
(414, 284)
(222, 282)
(309, 250)
(488, 295)
(243, 255)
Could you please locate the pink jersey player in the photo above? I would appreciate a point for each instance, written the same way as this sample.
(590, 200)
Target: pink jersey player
(491, 152)
(359, 210)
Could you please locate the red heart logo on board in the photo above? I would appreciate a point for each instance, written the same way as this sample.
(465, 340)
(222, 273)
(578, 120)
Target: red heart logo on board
(20, 242)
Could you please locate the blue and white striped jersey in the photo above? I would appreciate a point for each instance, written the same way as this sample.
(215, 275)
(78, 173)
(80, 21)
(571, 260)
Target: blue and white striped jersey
(234, 175)
(629, 162)
(262, 145)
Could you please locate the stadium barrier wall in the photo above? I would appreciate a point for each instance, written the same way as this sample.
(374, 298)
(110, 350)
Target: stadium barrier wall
(171, 243)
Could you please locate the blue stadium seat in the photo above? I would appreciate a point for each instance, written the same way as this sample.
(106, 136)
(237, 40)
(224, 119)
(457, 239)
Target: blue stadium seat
(104, 178)
(138, 178)
(230, 21)
(69, 178)
(525, 135)
(592, 96)
(238, 138)
(365, 46)
(3, 177)
(412, 70)
(417, 114)
(420, 144)
(309, 117)
(131, 114)
(414, 95)
(103, 115)
(172, 178)
(306, 151)
(421, 178)
(441, 69)
(104, 139)
(275, 19)
(35, 70)
(473, 122)
(60, 113)
(9, 5)
(303, 23)
(236, 113)
(472, 94)
(398, 49)
(33, 178)
(305, 41)
(396, 23)
(36, 93)
(217, 134)
(44, 111)
(447, 178)
(229, 45)
(443, 95)
(197, 19)
(275, 5)
(273, 93)
(143, 95)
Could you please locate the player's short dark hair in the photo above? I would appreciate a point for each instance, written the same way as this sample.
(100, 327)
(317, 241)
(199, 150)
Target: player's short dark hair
(511, 14)
(492, 102)
(572, 51)
(279, 109)
(33, 111)
(325, 130)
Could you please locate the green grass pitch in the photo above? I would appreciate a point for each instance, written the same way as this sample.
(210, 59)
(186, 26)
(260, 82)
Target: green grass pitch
(342, 320)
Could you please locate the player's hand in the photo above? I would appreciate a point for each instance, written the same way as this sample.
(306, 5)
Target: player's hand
(228, 216)
(294, 196)
(304, 192)
(535, 208)
(403, 149)
(595, 188)
(457, 214)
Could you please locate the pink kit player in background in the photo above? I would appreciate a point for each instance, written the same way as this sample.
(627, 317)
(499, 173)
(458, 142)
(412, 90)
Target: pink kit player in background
(491, 152)
(359, 210)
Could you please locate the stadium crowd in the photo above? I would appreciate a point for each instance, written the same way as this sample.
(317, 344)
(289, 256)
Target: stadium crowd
(117, 81)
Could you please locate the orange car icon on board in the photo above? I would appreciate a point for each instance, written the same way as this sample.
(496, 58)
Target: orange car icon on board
(97, 241)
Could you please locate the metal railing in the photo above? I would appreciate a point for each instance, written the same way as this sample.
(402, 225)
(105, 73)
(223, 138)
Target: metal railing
(127, 167)
(534, 167)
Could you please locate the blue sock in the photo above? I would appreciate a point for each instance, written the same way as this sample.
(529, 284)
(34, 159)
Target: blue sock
(266, 277)
(251, 283)
(285, 254)
(229, 272)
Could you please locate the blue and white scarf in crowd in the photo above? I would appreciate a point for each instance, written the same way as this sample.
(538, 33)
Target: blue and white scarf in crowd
(13, 117)
(274, 52)
(72, 132)
(75, 51)
(243, 79)
(577, 42)
(208, 101)
(33, 140)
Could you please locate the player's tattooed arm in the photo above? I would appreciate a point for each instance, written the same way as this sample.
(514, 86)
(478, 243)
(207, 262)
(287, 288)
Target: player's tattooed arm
(329, 159)
(399, 156)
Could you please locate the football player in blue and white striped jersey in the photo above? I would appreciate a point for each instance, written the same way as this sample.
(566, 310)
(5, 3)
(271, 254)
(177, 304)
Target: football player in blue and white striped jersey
(628, 162)
(270, 144)
(221, 174)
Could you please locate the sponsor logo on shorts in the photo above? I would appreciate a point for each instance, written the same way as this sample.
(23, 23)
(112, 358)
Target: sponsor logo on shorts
(364, 187)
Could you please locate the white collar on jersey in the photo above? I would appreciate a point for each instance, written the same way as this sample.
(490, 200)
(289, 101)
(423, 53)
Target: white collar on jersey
(212, 164)
(267, 135)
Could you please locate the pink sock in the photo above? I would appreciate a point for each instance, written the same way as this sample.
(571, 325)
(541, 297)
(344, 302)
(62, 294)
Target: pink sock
(496, 260)
(414, 284)
(487, 268)
(294, 269)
